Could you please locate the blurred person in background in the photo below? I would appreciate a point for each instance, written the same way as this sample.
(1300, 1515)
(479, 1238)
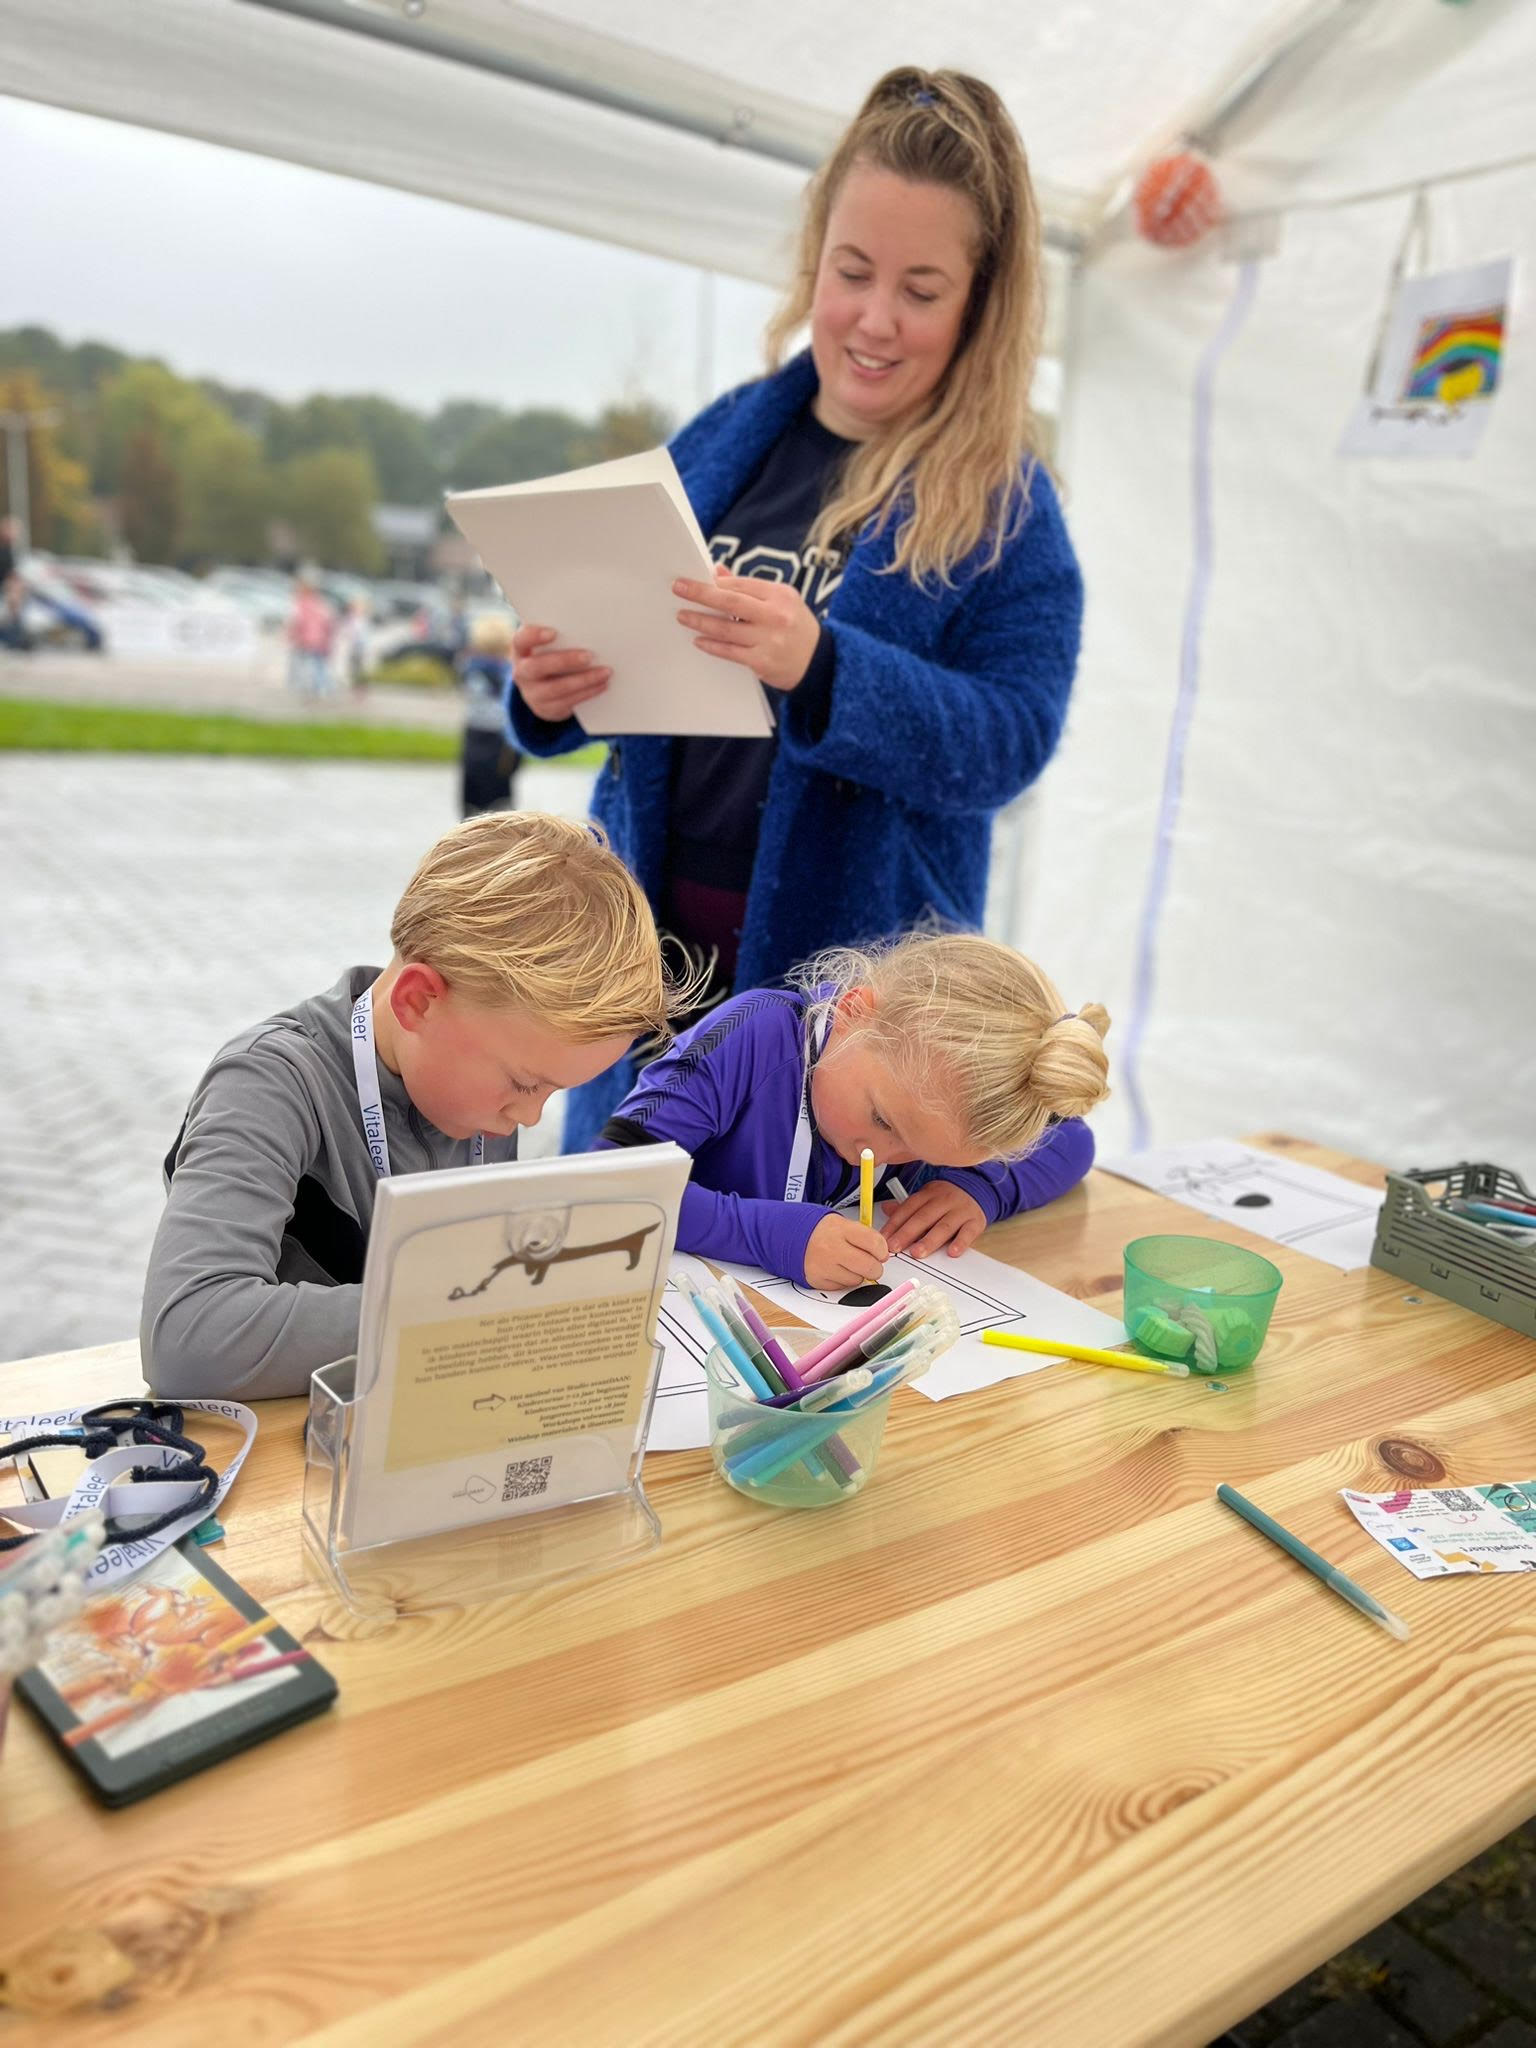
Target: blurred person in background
(13, 631)
(488, 760)
(350, 652)
(311, 636)
(13, 628)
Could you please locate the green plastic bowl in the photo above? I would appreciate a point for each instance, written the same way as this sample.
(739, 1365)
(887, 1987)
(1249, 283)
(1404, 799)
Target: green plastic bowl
(1199, 1300)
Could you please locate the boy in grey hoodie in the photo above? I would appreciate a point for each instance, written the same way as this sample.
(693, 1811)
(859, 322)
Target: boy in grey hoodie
(525, 960)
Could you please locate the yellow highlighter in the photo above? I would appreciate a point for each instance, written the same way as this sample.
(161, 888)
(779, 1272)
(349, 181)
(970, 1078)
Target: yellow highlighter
(1088, 1353)
(867, 1188)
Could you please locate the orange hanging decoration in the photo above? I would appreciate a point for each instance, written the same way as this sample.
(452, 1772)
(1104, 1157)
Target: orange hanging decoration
(1177, 200)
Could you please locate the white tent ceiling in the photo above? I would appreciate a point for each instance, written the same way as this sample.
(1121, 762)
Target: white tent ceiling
(686, 131)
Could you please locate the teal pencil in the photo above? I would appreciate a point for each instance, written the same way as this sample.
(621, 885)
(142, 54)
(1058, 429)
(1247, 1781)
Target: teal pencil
(1319, 1566)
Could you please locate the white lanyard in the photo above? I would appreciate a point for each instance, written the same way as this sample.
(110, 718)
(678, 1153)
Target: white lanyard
(108, 1483)
(800, 1150)
(370, 1101)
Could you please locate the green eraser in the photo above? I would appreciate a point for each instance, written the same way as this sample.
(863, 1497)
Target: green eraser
(208, 1532)
(1160, 1333)
(1237, 1338)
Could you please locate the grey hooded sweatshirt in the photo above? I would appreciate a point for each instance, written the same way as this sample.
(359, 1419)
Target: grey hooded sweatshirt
(255, 1277)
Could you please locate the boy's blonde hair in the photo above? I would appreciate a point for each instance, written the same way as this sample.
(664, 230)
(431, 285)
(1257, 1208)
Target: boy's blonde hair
(974, 1025)
(518, 910)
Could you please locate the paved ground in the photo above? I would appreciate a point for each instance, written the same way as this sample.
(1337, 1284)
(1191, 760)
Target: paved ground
(1457, 1969)
(152, 907)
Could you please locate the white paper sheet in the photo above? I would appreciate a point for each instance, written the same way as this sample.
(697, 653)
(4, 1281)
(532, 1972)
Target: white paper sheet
(680, 1412)
(594, 553)
(987, 1295)
(1311, 1211)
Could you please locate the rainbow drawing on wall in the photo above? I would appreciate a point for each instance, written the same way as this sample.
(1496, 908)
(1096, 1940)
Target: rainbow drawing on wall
(1456, 357)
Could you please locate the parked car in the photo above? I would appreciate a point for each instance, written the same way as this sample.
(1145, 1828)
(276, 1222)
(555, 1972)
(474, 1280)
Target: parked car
(266, 594)
(52, 614)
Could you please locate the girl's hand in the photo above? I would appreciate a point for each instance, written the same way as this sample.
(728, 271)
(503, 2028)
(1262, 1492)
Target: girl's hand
(842, 1253)
(767, 627)
(938, 1214)
(554, 680)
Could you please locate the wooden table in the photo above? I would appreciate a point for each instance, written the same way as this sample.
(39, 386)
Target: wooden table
(1032, 1742)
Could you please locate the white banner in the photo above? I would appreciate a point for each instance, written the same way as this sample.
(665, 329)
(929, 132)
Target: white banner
(178, 632)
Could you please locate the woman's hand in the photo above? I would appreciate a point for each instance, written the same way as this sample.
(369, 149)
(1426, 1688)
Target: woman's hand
(767, 627)
(842, 1253)
(938, 1214)
(554, 680)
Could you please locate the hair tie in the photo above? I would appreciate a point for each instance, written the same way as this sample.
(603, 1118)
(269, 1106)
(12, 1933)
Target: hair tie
(1063, 1017)
(922, 97)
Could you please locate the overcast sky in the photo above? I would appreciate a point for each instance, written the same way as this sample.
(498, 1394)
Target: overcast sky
(293, 280)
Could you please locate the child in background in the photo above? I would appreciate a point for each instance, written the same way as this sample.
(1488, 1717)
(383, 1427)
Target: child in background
(951, 1057)
(525, 959)
(311, 633)
(350, 653)
(488, 760)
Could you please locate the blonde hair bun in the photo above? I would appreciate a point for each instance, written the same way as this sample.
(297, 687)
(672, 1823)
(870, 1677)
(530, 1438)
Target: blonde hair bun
(1070, 1071)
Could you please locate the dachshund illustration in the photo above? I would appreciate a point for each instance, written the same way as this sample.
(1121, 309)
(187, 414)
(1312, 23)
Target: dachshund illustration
(536, 1264)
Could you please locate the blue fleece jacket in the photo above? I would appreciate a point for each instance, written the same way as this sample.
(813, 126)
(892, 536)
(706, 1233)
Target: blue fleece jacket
(946, 701)
(729, 1093)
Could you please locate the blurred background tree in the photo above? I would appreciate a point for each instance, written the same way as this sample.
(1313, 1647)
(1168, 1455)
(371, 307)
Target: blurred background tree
(59, 512)
(327, 497)
(193, 471)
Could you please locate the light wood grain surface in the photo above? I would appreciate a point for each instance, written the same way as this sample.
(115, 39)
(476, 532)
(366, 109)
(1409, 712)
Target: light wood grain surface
(1031, 1742)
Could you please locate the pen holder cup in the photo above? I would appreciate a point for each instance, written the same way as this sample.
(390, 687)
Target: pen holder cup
(787, 1459)
(1199, 1300)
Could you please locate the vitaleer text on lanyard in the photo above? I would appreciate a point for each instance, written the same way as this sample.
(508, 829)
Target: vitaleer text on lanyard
(370, 1100)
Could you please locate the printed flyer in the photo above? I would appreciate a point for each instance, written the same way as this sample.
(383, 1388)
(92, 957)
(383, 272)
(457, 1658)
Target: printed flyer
(1444, 1530)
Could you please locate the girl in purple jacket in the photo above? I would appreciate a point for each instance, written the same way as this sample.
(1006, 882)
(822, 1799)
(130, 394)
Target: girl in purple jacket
(950, 1056)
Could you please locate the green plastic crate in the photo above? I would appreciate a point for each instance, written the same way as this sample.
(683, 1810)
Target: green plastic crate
(1456, 1256)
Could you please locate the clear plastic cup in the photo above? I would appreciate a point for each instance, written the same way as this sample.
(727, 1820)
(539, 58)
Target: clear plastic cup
(785, 1458)
(1198, 1299)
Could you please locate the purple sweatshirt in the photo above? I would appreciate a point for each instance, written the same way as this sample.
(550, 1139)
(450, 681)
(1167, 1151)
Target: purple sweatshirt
(729, 1093)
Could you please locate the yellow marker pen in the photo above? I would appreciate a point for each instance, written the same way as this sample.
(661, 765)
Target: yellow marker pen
(1089, 1354)
(867, 1188)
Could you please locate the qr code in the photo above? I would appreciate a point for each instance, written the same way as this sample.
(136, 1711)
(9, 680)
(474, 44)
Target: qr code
(526, 1477)
(1462, 1503)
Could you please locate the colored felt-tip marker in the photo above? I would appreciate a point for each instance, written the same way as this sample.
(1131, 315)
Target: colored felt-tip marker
(867, 1188)
(860, 1322)
(1318, 1565)
(732, 1317)
(740, 1363)
(1089, 1354)
(778, 1357)
(1493, 1212)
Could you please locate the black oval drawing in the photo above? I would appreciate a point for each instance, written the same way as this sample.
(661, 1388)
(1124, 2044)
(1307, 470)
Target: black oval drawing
(1253, 1201)
(864, 1297)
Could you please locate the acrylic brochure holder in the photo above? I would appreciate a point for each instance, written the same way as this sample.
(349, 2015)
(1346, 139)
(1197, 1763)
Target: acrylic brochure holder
(490, 1431)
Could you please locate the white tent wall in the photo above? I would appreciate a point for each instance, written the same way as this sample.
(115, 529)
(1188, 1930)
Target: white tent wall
(1348, 943)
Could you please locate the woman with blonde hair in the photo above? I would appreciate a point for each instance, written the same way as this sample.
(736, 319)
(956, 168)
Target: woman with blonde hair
(891, 563)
